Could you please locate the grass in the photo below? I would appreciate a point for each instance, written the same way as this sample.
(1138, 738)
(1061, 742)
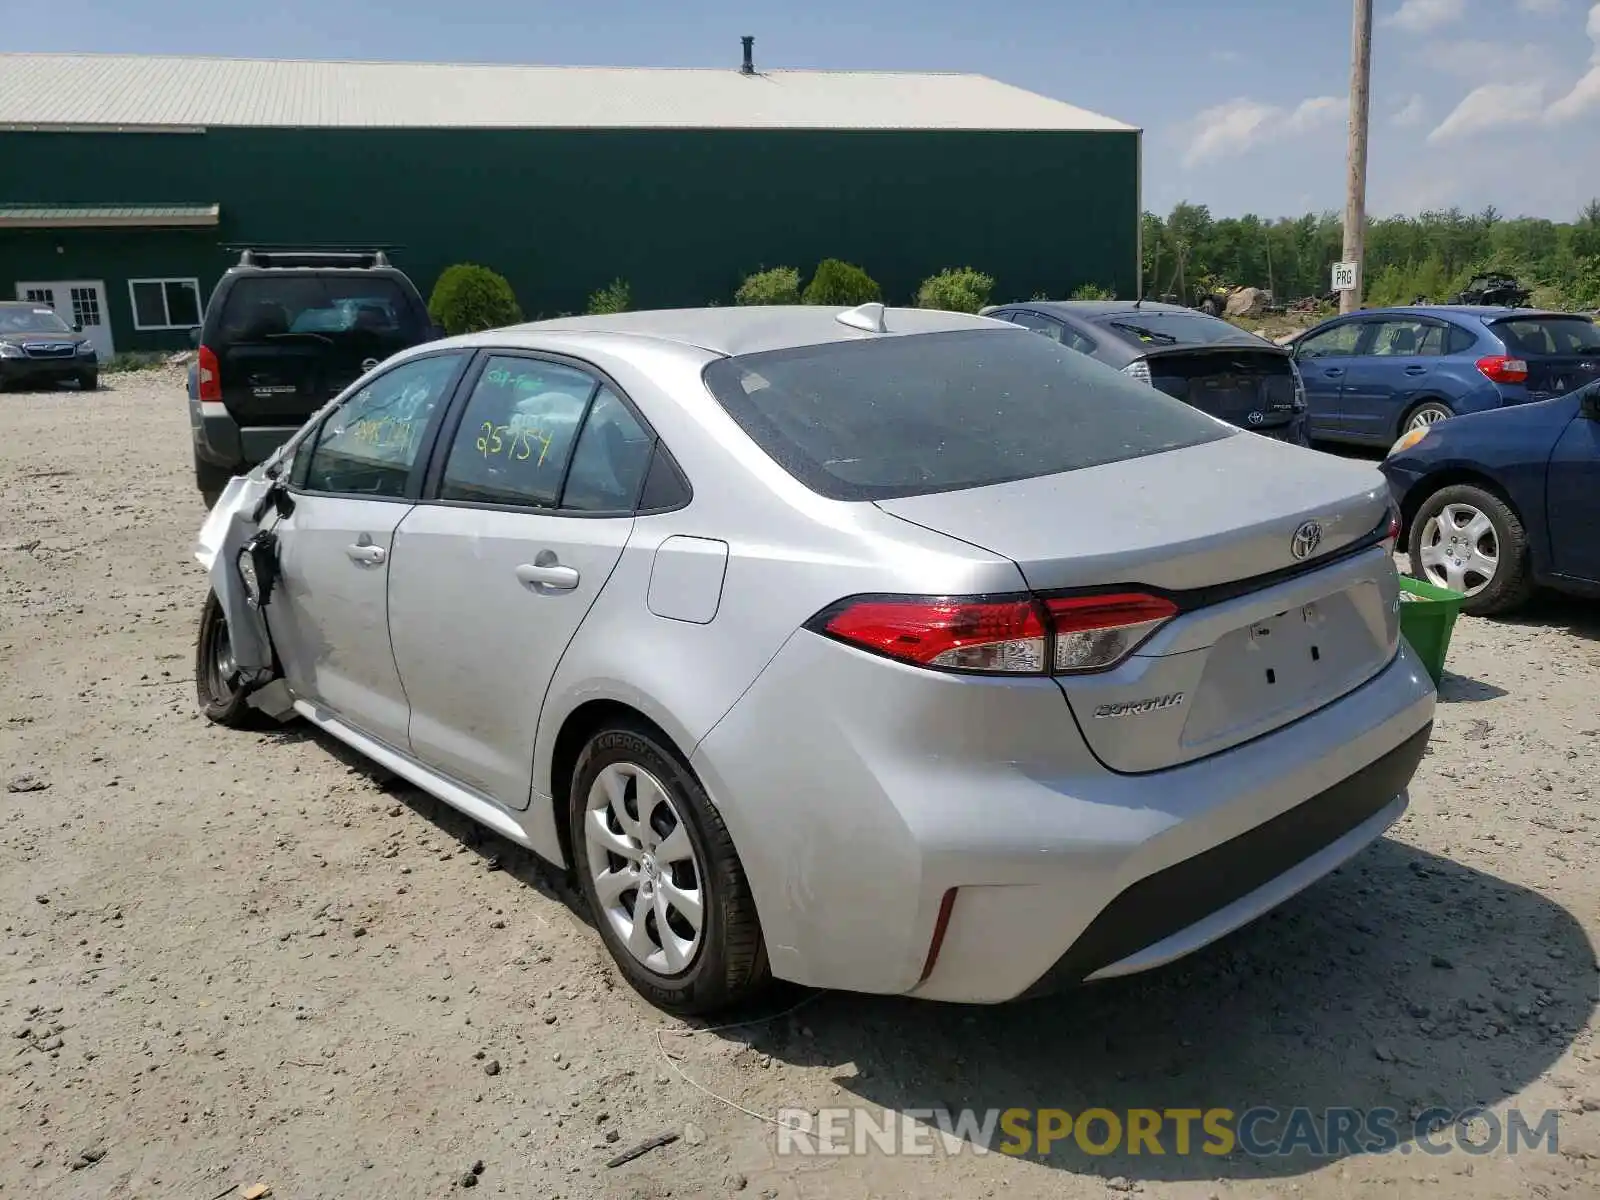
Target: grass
(136, 360)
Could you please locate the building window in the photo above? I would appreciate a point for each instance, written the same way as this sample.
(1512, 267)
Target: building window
(165, 303)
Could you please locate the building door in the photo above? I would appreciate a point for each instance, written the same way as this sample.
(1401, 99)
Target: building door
(77, 302)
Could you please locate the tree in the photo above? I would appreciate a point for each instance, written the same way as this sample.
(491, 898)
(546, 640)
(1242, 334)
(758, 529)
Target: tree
(468, 298)
(956, 289)
(841, 283)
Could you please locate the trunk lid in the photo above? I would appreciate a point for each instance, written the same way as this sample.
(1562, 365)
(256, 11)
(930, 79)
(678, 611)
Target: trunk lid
(1265, 634)
(1187, 519)
(1251, 388)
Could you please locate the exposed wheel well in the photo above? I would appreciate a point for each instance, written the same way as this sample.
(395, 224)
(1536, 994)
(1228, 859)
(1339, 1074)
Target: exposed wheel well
(583, 723)
(1419, 495)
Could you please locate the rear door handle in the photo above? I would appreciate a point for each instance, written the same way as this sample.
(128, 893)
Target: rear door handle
(550, 575)
(366, 554)
(1333, 372)
(1416, 370)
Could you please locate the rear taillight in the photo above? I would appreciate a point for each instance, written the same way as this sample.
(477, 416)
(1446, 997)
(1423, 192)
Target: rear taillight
(1392, 534)
(1502, 368)
(210, 378)
(1011, 635)
(1138, 369)
(1094, 633)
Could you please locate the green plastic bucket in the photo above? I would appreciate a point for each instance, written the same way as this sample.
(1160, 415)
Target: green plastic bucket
(1427, 616)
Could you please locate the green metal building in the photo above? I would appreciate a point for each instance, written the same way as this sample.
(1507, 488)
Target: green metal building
(123, 179)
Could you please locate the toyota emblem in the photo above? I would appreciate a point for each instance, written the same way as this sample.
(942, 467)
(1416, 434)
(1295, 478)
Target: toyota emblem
(1306, 540)
(1256, 418)
(368, 364)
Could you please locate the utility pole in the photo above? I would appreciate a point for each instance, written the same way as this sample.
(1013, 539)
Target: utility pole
(1355, 205)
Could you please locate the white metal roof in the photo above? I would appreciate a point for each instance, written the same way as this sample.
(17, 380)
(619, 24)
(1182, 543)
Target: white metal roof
(180, 92)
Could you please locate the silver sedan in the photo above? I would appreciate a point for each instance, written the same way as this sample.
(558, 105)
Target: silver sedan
(895, 651)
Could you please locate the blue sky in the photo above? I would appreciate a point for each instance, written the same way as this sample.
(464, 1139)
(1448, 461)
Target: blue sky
(1475, 102)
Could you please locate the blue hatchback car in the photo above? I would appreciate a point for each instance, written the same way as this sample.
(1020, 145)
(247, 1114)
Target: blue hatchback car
(1373, 375)
(1498, 503)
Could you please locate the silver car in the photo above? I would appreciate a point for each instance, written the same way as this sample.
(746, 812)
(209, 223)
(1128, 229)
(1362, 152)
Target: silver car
(895, 651)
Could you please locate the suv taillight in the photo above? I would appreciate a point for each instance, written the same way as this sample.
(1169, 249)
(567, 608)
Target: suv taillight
(210, 377)
(1011, 635)
(1502, 368)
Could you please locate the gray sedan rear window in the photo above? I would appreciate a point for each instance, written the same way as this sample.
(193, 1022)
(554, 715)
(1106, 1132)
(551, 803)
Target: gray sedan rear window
(905, 416)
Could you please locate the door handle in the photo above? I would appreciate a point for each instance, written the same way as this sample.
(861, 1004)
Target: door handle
(1416, 370)
(1333, 372)
(366, 554)
(551, 575)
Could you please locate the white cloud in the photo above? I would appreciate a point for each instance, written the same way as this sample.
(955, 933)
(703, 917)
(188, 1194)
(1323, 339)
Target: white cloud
(1492, 106)
(1237, 126)
(1413, 113)
(1421, 16)
(1585, 94)
(1481, 59)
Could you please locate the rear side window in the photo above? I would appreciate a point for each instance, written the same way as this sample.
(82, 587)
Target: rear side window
(905, 416)
(1460, 340)
(1546, 336)
(1407, 338)
(517, 433)
(330, 308)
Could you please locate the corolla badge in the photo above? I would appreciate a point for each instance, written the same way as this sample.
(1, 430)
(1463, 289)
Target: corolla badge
(1306, 540)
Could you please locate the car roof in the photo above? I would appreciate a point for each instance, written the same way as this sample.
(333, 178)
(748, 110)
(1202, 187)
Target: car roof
(740, 330)
(1486, 312)
(1090, 309)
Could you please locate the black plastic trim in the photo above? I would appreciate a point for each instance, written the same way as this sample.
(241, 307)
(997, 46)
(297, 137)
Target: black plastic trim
(1172, 900)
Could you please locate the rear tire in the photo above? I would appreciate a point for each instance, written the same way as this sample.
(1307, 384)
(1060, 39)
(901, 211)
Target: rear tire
(1452, 513)
(631, 792)
(1429, 412)
(220, 699)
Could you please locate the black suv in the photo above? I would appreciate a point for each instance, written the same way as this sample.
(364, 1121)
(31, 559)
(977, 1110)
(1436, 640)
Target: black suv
(283, 333)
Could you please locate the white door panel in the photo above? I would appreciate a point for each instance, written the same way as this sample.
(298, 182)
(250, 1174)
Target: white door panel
(482, 605)
(327, 616)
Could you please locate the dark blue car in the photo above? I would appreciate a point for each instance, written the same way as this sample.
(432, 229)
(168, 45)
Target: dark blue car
(1373, 375)
(1498, 503)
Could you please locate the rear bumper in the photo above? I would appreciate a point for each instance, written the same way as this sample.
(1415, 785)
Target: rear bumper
(861, 793)
(220, 441)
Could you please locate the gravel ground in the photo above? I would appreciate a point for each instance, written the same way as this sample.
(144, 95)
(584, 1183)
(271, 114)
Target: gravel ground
(239, 959)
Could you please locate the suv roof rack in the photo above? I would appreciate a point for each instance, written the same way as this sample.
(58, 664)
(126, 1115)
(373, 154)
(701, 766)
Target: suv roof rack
(311, 256)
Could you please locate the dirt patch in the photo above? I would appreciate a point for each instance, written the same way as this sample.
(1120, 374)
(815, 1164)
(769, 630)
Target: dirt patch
(239, 959)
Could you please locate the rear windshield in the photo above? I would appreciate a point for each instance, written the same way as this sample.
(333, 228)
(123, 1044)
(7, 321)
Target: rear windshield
(905, 416)
(1148, 330)
(1540, 336)
(333, 308)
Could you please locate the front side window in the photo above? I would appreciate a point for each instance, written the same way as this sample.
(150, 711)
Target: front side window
(1338, 342)
(904, 416)
(369, 444)
(517, 433)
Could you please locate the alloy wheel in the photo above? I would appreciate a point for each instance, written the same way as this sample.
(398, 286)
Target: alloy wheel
(1428, 414)
(647, 877)
(1460, 549)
